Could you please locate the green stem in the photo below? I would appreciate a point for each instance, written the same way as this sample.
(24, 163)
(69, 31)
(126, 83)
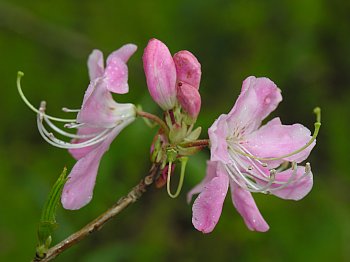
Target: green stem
(154, 118)
(182, 175)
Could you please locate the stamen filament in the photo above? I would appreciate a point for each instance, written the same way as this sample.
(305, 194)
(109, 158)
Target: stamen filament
(182, 175)
(68, 110)
(51, 139)
(25, 100)
(62, 132)
(317, 111)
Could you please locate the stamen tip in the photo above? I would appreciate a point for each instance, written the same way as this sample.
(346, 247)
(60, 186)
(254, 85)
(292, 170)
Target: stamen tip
(20, 74)
(307, 167)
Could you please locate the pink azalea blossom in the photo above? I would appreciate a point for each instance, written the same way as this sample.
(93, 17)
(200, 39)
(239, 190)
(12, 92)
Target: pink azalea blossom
(99, 121)
(171, 79)
(248, 157)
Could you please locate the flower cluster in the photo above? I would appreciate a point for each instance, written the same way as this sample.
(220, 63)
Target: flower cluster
(245, 156)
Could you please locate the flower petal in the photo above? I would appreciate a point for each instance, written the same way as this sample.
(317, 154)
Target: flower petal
(188, 69)
(78, 153)
(208, 205)
(95, 64)
(218, 134)
(245, 205)
(296, 190)
(78, 190)
(258, 98)
(160, 74)
(190, 99)
(275, 140)
(211, 173)
(116, 72)
(100, 110)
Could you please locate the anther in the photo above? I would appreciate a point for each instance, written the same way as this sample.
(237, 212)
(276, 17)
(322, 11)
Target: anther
(307, 168)
(273, 174)
(42, 107)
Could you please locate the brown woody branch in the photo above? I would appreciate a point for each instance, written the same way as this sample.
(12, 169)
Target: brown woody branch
(100, 221)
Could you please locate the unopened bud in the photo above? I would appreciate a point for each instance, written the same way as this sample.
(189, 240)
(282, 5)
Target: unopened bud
(189, 99)
(188, 69)
(160, 74)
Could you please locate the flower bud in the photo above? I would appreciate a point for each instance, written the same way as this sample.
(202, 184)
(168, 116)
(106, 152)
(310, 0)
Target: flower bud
(189, 98)
(188, 68)
(160, 74)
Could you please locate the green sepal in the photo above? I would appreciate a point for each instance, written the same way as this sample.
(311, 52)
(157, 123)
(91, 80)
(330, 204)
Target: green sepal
(177, 133)
(188, 151)
(193, 135)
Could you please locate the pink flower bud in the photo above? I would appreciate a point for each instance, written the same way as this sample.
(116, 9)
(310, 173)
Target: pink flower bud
(160, 74)
(188, 68)
(189, 99)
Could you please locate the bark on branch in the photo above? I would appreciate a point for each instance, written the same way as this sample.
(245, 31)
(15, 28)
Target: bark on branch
(100, 221)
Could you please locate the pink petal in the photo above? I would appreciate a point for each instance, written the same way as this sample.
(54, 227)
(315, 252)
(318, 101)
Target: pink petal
(218, 133)
(95, 64)
(78, 190)
(189, 98)
(116, 72)
(275, 140)
(78, 153)
(160, 74)
(258, 98)
(208, 205)
(188, 69)
(100, 110)
(296, 190)
(245, 205)
(211, 173)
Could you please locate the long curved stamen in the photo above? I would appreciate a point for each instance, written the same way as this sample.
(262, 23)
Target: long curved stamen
(182, 175)
(250, 181)
(25, 100)
(317, 111)
(253, 164)
(51, 139)
(234, 178)
(67, 134)
(292, 180)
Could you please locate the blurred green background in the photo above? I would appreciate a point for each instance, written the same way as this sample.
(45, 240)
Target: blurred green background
(303, 45)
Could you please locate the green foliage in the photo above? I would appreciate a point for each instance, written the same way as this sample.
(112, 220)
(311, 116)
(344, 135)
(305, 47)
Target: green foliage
(47, 223)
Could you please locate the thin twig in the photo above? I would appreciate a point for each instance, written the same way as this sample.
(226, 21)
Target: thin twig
(99, 222)
(197, 143)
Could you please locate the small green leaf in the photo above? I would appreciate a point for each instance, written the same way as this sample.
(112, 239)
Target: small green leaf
(193, 135)
(48, 216)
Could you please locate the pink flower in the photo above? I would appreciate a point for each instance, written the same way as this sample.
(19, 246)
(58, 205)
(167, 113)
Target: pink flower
(99, 121)
(248, 157)
(171, 79)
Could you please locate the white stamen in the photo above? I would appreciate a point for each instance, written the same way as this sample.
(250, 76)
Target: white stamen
(68, 110)
(51, 139)
(25, 100)
(74, 125)
(249, 181)
(64, 133)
